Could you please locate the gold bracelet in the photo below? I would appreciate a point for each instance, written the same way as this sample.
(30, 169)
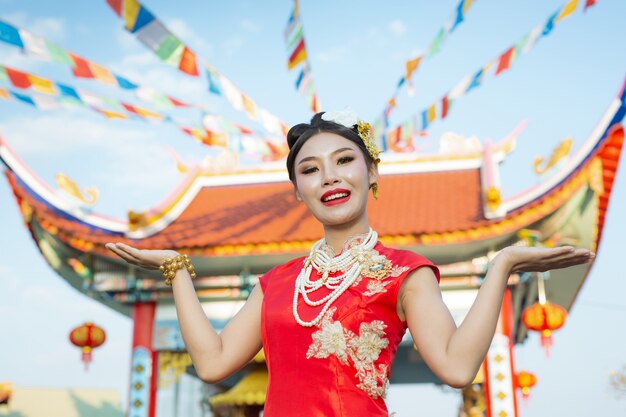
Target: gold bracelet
(171, 265)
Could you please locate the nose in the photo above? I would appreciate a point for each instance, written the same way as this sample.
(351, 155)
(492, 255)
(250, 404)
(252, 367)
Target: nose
(331, 178)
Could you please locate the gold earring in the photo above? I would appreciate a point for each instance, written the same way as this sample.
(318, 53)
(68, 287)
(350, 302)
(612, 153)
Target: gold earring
(374, 188)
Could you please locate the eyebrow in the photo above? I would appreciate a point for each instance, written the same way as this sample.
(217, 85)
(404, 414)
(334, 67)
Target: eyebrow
(308, 158)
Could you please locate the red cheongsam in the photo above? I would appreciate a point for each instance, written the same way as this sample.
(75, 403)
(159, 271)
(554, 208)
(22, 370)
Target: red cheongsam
(340, 367)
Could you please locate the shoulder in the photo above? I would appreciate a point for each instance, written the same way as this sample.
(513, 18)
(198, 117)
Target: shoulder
(413, 261)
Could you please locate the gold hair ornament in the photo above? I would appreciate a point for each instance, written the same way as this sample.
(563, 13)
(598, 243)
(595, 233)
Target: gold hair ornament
(365, 132)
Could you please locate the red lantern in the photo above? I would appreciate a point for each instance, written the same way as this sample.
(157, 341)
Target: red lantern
(87, 337)
(525, 381)
(544, 318)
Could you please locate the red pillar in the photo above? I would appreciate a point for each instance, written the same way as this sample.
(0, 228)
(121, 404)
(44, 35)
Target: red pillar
(499, 366)
(142, 402)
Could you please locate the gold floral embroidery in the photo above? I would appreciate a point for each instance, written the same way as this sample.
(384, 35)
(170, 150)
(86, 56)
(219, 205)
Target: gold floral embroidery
(363, 350)
(375, 287)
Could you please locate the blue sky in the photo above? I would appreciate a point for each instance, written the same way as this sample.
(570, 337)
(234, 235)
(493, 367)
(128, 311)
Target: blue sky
(357, 51)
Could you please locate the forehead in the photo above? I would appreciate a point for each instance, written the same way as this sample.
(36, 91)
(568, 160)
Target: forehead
(324, 143)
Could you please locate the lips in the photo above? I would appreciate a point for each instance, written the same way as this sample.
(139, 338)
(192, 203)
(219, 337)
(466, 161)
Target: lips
(336, 196)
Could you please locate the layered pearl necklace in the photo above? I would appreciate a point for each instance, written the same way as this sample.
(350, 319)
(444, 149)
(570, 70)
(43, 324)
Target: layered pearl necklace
(350, 262)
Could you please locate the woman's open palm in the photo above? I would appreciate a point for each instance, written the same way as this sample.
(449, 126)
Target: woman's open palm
(528, 259)
(144, 258)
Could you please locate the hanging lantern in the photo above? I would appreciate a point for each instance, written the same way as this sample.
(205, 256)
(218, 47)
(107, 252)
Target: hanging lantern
(87, 337)
(525, 381)
(544, 318)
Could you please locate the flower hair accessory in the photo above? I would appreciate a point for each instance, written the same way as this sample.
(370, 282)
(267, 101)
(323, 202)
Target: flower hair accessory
(349, 119)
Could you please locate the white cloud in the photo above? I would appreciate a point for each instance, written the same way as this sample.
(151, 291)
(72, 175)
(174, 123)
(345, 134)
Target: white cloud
(397, 27)
(336, 53)
(131, 156)
(250, 26)
(51, 28)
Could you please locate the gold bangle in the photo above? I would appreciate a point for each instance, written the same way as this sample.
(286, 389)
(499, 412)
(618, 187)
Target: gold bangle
(169, 267)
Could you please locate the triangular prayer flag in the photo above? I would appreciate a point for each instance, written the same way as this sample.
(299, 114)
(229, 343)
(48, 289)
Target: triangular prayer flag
(18, 78)
(249, 106)
(476, 80)
(102, 74)
(34, 45)
(434, 47)
(124, 83)
(294, 37)
(567, 10)
(588, 4)
(23, 98)
(188, 63)
(4, 94)
(153, 34)
(550, 24)
(10, 34)
(46, 102)
(424, 119)
(41, 85)
(411, 66)
(81, 67)
(505, 60)
(171, 50)
(143, 18)
(131, 10)
(298, 55)
(432, 113)
(459, 16)
(178, 103)
(213, 85)
(466, 5)
(444, 106)
(58, 54)
(116, 5)
(67, 91)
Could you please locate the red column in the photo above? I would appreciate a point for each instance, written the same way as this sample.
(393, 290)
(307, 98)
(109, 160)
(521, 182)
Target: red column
(142, 401)
(499, 367)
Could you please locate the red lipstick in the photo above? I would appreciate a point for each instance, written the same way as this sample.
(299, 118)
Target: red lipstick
(341, 195)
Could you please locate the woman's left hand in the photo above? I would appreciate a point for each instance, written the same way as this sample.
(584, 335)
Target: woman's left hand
(527, 259)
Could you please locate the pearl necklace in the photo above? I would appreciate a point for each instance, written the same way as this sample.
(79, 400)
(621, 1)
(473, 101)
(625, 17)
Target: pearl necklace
(350, 262)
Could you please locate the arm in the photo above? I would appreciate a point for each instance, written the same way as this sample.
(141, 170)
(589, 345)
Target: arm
(215, 356)
(455, 354)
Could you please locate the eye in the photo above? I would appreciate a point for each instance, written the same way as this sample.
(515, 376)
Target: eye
(309, 170)
(345, 159)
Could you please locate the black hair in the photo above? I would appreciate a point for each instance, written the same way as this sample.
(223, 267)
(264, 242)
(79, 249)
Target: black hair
(300, 133)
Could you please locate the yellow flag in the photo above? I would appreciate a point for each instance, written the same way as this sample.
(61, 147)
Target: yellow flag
(568, 9)
(130, 12)
(41, 85)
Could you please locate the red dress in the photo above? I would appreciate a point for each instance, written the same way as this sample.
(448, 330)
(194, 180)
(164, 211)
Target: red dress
(340, 367)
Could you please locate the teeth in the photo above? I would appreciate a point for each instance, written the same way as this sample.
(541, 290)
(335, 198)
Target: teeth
(335, 196)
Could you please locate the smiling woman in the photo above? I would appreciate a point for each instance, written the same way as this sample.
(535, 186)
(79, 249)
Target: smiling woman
(330, 323)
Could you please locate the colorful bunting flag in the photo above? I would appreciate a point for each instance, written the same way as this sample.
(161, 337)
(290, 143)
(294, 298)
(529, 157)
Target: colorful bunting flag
(503, 62)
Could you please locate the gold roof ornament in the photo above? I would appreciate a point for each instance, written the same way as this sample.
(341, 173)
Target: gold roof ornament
(66, 184)
(561, 151)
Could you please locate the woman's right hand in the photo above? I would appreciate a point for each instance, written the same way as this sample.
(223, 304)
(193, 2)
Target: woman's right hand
(144, 258)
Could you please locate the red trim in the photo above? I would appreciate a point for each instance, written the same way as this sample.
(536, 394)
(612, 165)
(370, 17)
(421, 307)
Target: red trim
(487, 396)
(507, 329)
(143, 326)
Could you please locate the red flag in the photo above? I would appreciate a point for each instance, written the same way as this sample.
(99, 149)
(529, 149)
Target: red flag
(177, 103)
(298, 55)
(444, 106)
(129, 108)
(81, 67)
(505, 60)
(18, 78)
(588, 4)
(188, 63)
(116, 5)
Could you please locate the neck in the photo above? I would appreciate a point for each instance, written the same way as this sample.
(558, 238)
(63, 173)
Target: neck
(336, 236)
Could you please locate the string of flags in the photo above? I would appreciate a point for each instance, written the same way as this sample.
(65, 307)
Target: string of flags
(411, 65)
(41, 48)
(296, 50)
(216, 131)
(400, 137)
(170, 49)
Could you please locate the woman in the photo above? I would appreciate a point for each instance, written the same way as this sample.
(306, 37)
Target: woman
(330, 323)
